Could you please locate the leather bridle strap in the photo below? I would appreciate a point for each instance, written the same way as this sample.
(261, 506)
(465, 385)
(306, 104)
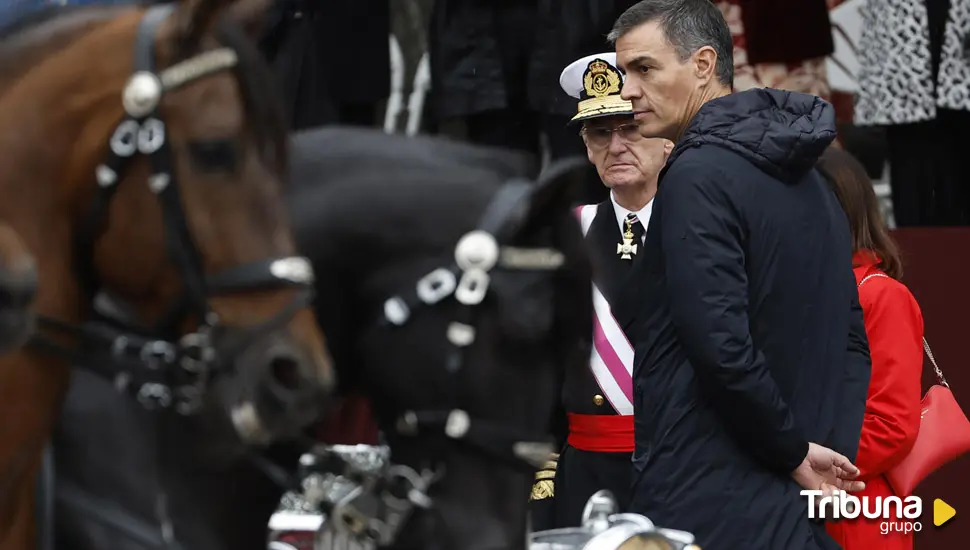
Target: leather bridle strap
(184, 362)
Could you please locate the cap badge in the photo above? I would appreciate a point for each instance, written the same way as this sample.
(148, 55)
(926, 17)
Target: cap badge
(601, 79)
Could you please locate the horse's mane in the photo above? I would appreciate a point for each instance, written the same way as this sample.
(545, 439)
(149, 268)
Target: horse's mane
(419, 185)
(31, 19)
(48, 14)
(27, 40)
(325, 155)
(260, 95)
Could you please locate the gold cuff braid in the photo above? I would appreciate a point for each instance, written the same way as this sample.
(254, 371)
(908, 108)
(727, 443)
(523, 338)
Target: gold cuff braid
(544, 486)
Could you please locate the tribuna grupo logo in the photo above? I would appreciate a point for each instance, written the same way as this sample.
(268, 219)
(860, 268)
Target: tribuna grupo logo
(897, 515)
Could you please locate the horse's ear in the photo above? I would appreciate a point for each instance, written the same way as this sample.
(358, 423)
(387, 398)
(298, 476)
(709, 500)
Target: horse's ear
(196, 17)
(251, 15)
(556, 189)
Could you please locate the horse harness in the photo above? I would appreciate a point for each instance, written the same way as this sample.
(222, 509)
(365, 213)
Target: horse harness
(373, 504)
(168, 371)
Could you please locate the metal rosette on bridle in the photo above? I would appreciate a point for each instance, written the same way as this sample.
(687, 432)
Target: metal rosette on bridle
(604, 529)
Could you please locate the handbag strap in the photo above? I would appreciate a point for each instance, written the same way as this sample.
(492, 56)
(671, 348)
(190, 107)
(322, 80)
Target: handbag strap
(926, 345)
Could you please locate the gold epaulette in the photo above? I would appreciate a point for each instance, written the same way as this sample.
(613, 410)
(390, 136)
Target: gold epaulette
(545, 484)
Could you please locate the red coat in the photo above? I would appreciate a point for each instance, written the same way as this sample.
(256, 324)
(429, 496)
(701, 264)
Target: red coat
(894, 326)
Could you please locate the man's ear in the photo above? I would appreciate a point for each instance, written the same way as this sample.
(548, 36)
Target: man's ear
(668, 148)
(555, 191)
(705, 64)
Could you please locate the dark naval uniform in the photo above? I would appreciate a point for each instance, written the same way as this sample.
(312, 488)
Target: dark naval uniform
(598, 401)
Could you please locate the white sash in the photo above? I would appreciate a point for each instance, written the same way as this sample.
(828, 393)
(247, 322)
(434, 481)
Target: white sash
(612, 358)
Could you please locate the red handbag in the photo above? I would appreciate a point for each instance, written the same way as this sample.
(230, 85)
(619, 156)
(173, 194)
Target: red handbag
(944, 431)
(944, 435)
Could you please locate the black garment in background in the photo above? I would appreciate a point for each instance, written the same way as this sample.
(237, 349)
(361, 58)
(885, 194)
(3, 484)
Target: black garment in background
(929, 169)
(332, 59)
(783, 31)
(495, 62)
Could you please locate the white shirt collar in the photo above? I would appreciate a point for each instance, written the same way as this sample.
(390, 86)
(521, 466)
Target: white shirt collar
(643, 214)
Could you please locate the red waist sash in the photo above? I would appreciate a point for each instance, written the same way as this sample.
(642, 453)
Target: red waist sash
(601, 433)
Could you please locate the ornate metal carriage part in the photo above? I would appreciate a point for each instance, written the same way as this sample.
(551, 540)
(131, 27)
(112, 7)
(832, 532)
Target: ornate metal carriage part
(376, 510)
(603, 529)
(363, 499)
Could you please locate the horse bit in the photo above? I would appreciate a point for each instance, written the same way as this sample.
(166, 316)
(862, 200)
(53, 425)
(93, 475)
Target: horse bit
(361, 492)
(178, 368)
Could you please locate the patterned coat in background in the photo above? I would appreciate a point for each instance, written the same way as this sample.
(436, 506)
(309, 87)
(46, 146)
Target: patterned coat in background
(896, 68)
(807, 76)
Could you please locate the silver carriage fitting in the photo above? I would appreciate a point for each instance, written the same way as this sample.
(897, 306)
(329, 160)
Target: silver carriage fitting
(604, 529)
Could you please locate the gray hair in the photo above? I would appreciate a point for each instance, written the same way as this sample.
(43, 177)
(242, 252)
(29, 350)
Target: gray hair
(688, 26)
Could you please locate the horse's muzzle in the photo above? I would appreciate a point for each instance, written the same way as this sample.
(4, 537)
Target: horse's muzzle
(292, 390)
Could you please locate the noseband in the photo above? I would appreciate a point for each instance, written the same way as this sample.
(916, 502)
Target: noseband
(374, 503)
(178, 368)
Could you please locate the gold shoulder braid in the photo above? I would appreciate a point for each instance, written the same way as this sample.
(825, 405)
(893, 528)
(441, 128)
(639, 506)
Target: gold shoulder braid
(545, 484)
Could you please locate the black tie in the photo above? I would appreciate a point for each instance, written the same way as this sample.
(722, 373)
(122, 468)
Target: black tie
(636, 227)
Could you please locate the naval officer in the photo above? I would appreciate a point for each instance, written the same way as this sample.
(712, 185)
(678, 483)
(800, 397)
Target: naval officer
(598, 401)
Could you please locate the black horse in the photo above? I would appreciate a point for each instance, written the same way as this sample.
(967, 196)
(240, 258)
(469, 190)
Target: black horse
(377, 214)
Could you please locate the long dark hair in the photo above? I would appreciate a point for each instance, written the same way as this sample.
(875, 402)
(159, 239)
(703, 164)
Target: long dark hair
(854, 189)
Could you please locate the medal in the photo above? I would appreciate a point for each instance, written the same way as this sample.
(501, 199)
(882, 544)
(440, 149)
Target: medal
(627, 249)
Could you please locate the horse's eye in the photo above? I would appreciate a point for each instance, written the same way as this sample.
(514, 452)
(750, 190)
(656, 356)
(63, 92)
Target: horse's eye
(217, 155)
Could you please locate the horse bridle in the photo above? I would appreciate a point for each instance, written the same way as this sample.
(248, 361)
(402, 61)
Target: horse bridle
(169, 371)
(379, 501)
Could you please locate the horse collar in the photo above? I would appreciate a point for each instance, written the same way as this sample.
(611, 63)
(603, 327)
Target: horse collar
(376, 513)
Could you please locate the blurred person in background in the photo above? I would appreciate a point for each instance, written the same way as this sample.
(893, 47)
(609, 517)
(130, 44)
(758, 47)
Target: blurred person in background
(598, 400)
(332, 58)
(914, 80)
(894, 326)
(780, 45)
(495, 67)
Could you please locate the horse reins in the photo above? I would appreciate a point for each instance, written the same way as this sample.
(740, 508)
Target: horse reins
(178, 367)
(380, 504)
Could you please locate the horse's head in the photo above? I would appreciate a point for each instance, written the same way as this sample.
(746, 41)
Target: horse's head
(18, 285)
(459, 299)
(164, 127)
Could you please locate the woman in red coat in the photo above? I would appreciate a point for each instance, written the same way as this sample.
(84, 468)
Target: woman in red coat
(894, 326)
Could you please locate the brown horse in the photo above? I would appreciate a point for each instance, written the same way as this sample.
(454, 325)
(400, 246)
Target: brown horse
(18, 285)
(142, 158)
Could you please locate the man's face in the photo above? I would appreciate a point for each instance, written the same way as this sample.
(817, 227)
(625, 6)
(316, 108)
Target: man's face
(622, 156)
(659, 85)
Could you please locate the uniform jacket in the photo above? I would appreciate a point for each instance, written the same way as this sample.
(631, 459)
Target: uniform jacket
(580, 473)
(750, 337)
(894, 326)
(617, 279)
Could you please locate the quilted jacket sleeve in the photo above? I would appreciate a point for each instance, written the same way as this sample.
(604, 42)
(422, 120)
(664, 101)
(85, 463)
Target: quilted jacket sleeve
(703, 251)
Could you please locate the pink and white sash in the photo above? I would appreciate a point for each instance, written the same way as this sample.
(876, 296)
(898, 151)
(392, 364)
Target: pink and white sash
(612, 358)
